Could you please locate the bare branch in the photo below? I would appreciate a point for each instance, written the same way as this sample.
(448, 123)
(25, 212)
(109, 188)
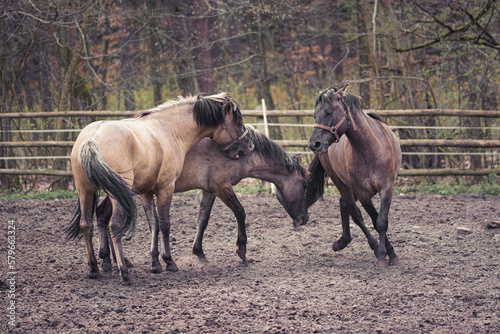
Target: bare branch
(482, 38)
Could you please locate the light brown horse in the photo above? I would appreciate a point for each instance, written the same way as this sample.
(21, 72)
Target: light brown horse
(207, 168)
(145, 155)
(362, 156)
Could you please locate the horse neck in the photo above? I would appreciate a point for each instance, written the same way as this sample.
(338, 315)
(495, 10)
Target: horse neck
(182, 126)
(359, 132)
(267, 170)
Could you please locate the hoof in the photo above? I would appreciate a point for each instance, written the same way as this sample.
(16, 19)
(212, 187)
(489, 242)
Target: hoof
(126, 279)
(394, 261)
(242, 254)
(382, 264)
(203, 259)
(171, 266)
(95, 275)
(340, 244)
(128, 263)
(106, 267)
(156, 270)
(201, 256)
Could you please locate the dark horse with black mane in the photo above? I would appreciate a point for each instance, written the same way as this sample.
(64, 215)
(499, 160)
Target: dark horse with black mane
(206, 167)
(362, 156)
(145, 155)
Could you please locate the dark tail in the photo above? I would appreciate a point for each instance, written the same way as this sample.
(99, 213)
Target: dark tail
(100, 173)
(316, 186)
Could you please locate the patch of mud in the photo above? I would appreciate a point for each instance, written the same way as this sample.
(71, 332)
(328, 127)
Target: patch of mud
(446, 283)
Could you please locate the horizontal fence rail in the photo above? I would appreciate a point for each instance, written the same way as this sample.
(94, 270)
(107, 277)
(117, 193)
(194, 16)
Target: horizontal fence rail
(270, 113)
(298, 143)
(490, 144)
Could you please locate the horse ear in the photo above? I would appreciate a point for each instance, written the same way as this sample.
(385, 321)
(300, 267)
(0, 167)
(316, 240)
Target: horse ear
(228, 107)
(342, 90)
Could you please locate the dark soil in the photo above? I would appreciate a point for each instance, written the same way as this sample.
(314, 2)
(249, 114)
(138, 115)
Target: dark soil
(446, 282)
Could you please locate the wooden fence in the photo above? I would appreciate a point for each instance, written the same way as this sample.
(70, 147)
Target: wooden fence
(305, 120)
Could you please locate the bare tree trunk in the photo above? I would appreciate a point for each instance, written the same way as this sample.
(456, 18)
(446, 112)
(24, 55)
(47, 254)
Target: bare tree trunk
(205, 53)
(180, 32)
(263, 78)
(154, 54)
(127, 75)
(364, 59)
(68, 81)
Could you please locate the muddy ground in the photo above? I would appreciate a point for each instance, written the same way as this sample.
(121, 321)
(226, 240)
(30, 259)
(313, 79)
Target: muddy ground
(446, 283)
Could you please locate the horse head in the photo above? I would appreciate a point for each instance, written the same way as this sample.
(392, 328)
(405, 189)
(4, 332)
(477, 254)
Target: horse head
(332, 117)
(230, 132)
(291, 194)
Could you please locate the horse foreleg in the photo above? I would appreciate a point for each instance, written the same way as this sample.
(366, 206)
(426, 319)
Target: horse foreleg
(206, 204)
(103, 213)
(345, 238)
(164, 200)
(106, 251)
(87, 227)
(152, 217)
(229, 198)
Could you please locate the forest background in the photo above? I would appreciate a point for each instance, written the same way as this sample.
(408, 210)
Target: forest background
(132, 55)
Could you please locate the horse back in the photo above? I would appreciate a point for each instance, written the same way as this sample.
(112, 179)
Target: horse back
(129, 147)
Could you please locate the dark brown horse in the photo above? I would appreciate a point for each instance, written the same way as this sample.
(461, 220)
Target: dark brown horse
(145, 155)
(362, 157)
(207, 168)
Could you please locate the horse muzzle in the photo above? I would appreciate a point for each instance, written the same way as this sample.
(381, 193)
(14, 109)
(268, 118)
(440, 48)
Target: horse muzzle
(318, 146)
(301, 220)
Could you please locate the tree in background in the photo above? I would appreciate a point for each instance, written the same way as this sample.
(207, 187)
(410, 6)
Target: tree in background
(106, 55)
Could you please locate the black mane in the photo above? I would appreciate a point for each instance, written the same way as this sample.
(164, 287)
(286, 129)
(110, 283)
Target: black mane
(327, 97)
(375, 116)
(209, 111)
(274, 153)
(351, 100)
(175, 103)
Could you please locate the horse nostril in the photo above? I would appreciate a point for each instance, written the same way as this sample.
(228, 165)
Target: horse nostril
(315, 145)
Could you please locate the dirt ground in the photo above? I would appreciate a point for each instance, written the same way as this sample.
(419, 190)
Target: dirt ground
(446, 283)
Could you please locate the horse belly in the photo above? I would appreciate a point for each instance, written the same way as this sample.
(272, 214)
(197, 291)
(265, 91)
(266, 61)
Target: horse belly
(194, 174)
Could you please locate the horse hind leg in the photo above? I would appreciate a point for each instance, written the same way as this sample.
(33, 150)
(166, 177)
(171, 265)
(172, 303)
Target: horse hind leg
(164, 199)
(106, 251)
(393, 257)
(357, 217)
(381, 225)
(152, 216)
(373, 213)
(87, 202)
